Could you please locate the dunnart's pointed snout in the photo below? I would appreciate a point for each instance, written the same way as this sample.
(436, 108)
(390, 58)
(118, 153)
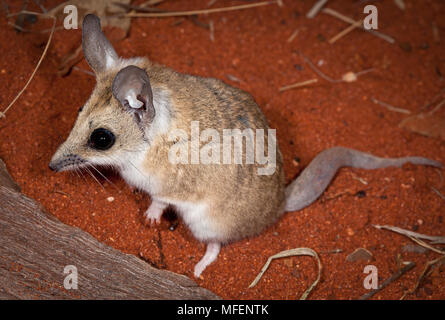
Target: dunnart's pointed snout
(66, 162)
(53, 166)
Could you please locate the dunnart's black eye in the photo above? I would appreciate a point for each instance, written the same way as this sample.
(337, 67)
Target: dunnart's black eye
(101, 139)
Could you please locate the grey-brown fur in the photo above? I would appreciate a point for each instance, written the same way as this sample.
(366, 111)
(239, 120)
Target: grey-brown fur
(240, 202)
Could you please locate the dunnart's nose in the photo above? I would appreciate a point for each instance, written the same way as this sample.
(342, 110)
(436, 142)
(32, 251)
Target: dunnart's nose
(52, 166)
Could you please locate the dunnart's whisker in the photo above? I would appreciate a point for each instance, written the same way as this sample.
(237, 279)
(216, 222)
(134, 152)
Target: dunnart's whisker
(92, 175)
(103, 176)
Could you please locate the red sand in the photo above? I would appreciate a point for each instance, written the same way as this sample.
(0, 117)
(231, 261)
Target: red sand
(252, 45)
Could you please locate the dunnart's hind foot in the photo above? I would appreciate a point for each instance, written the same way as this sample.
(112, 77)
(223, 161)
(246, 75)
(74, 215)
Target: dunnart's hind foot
(211, 254)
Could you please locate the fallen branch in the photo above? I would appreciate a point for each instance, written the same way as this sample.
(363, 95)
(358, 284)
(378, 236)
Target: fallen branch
(36, 248)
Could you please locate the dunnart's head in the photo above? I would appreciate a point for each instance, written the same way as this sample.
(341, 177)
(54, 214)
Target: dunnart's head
(114, 120)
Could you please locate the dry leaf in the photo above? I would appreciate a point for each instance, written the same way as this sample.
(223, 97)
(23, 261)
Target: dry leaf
(360, 254)
(290, 253)
(427, 124)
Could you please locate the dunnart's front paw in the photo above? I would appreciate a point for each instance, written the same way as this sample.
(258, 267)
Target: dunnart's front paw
(154, 213)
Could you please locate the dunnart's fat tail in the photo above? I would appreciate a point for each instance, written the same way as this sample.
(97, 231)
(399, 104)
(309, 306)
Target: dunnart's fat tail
(314, 179)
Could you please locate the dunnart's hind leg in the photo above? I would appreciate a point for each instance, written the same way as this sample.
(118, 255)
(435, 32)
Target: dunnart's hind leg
(211, 254)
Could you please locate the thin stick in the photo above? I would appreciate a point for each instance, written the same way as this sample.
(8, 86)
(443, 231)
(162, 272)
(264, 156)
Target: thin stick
(211, 3)
(426, 245)
(318, 71)
(346, 31)
(290, 253)
(433, 239)
(437, 108)
(437, 96)
(422, 276)
(436, 34)
(298, 84)
(400, 4)
(316, 9)
(388, 281)
(390, 107)
(151, 3)
(2, 113)
(438, 193)
(293, 35)
(212, 31)
(195, 12)
(346, 19)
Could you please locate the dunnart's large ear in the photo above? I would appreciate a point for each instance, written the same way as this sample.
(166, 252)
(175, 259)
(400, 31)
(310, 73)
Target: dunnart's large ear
(131, 87)
(97, 49)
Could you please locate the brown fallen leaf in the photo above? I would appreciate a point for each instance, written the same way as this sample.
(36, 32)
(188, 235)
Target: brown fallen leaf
(360, 254)
(414, 248)
(427, 124)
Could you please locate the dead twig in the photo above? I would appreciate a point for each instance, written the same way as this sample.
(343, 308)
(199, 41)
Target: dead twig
(346, 31)
(2, 113)
(298, 85)
(334, 251)
(211, 3)
(212, 30)
(426, 245)
(196, 12)
(346, 19)
(433, 101)
(422, 276)
(438, 193)
(347, 77)
(231, 77)
(390, 107)
(61, 192)
(151, 3)
(293, 35)
(139, 8)
(437, 108)
(290, 253)
(433, 239)
(388, 281)
(316, 9)
(412, 234)
(400, 4)
(69, 61)
(436, 34)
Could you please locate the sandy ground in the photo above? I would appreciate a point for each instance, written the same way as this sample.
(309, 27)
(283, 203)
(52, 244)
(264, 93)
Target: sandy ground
(252, 46)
